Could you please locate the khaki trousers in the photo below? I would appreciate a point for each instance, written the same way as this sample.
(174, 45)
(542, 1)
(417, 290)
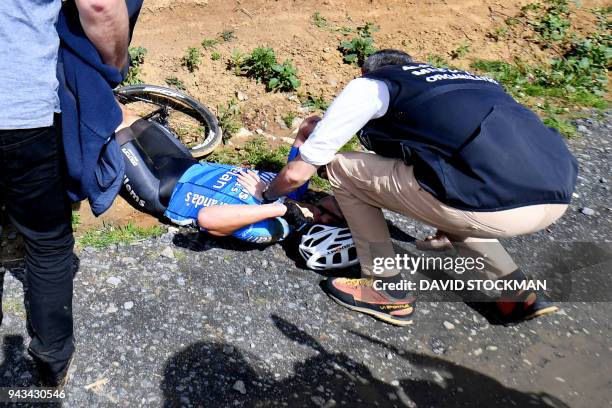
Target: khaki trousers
(364, 183)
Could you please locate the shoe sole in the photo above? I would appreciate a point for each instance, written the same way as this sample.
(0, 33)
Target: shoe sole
(380, 316)
(542, 312)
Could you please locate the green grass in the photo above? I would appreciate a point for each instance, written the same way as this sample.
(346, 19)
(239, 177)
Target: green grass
(192, 59)
(575, 77)
(215, 56)
(258, 154)
(359, 48)
(548, 19)
(439, 61)
(230, 119)
(352, 145)
(288, 119)
(209, 43)
(255, 153)
(314, 102)
(176, 83)
(75, 220)
(263, 66)
(461, 51)
(318, 20)
(137, 58)
(112, 234)
(227, 35)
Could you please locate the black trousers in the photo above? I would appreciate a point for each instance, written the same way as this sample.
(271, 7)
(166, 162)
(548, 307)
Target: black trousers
(32, 184)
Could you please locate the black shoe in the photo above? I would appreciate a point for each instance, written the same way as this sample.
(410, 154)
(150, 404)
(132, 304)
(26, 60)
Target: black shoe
(524, 306)
(53, 380)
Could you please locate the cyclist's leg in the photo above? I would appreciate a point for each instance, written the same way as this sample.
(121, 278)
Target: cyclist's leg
(140, 182)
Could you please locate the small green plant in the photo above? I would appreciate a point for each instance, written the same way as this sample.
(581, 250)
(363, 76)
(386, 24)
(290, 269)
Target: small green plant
(137, 58)
(549, 20)
(361, 47)
(498, 34)
(75, 220)
(315, 103)
(227, 35)
(460, 51)
(318, 20)
(176, 83)
(229, 117)
(255, 153)
(263, 66)
(584, 66)
(563, 126)
(438, 61)
(344, 30)
(215, 56)
(192, 59)
(209, 43)
(288, 119)
(352, 145)
(235, 62)
(111, 234)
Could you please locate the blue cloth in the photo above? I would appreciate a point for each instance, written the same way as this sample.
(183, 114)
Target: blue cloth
(90, 113)
(28, 46)
(471, 144)
(212, 184)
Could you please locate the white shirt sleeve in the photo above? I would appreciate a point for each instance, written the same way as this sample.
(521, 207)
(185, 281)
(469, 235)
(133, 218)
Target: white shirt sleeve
(362, 100)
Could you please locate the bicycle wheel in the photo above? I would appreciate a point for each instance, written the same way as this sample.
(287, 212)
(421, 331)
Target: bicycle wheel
(192, 123)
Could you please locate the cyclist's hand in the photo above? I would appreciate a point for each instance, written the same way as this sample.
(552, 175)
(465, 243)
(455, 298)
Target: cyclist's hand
(252, 183)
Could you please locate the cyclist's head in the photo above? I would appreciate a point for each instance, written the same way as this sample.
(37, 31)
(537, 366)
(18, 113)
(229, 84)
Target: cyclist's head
(385, 57)
(326, 211)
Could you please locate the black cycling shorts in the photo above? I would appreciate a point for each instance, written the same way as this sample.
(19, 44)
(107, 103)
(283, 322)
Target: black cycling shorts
(155, 160)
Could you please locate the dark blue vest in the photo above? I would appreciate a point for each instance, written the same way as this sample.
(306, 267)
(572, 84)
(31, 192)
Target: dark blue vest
(472, 145)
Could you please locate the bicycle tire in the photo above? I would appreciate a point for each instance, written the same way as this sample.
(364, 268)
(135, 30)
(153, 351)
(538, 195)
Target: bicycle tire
(178, 101)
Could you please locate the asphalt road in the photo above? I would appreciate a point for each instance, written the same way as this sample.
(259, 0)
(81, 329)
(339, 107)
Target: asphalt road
(185, 320)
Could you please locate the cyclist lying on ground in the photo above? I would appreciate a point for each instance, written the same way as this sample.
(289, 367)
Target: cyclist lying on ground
(163, 179)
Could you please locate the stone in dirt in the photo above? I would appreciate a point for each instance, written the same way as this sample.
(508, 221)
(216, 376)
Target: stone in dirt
(240, 387)
(168, 253)
(112, 280)
(449, 325)
(587, 211)
(437, 346)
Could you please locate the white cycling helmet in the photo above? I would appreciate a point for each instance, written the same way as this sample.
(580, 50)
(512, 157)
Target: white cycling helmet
(327, 247)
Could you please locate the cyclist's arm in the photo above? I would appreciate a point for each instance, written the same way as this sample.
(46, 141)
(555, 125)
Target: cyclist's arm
(223, 220)
(106, 24)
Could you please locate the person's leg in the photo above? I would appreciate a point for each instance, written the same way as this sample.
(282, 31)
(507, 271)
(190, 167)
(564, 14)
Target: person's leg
(37, 204)
(362, 179)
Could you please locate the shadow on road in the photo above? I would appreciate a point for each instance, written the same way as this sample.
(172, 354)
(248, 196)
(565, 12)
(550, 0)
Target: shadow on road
(201, 242)
(216, 374)
(16, 369)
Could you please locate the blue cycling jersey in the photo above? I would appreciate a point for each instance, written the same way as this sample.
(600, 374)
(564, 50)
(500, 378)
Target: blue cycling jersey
(210, 184)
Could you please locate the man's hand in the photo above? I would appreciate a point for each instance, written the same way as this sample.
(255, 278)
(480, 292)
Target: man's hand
(252, 183)
(106, 24)
(306, 128)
